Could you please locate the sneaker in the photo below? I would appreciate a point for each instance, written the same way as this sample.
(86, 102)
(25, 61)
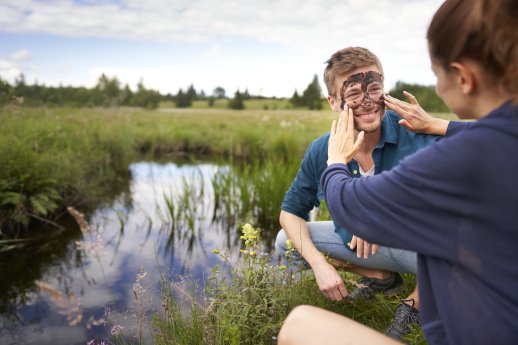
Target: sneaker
(405, 316)
(368, 287)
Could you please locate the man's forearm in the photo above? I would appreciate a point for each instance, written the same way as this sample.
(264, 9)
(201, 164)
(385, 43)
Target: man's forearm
(297, 231)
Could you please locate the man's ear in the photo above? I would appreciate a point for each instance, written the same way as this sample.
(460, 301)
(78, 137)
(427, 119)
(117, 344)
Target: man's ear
(335, 106)
(464, 76)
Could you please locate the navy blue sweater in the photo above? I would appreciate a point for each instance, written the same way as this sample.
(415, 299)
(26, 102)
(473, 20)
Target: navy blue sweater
(456, 204)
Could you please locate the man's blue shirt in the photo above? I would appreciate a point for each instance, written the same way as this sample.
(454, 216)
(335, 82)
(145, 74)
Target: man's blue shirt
(305, 192)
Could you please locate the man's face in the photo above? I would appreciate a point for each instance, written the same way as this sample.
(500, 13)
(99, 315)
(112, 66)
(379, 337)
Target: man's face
(362, 91)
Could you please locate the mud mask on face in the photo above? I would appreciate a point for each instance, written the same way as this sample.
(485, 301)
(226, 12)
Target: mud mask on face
(371, 90)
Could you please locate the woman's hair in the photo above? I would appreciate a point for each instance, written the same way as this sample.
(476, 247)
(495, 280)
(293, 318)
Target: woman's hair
(485, 31)
(345, 61)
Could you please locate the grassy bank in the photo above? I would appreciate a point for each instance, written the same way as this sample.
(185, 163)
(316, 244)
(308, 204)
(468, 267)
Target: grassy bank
(251, 307)
(54, 157)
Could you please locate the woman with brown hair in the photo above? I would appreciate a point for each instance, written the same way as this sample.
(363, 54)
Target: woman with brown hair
(455, 202)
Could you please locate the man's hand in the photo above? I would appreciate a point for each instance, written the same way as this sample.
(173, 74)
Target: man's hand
(415, 119)
(342, 144)
(329, 281)
(363, 248)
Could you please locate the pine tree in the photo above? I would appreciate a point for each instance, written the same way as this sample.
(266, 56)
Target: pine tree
(182, 99)
(312, 96)
(237, 103)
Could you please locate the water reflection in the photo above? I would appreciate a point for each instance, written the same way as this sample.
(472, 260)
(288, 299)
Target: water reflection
(169, 217)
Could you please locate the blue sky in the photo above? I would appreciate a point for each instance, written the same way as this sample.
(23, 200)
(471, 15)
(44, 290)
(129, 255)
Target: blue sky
(271, 47)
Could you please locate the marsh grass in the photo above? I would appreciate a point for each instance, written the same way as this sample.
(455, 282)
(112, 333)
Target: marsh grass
(249, 306)
(56, 157)
(252, 191)
(53, 159)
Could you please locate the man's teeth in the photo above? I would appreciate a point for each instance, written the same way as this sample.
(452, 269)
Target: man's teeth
(367, 115)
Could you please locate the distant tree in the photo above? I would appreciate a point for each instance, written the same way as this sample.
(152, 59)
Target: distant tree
(125, 96)
(20, 87)
(169, 97)
(183, 99)
(20, 81)
(191, 93)
(145, 98)
(425, 95)
(312, 96)
(107, 91)
(237, 103)
(246, 95)
(5, 92)
(219, 92)
(296, 100)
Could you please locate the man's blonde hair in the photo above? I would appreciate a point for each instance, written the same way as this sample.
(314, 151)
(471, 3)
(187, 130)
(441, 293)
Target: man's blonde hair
(346, 60)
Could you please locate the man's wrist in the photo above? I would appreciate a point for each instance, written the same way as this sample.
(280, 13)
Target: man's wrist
(316, 260)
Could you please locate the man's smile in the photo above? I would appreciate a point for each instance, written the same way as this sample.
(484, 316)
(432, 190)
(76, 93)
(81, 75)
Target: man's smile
(367, 116)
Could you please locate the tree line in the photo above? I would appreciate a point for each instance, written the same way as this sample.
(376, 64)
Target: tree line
(109, 92)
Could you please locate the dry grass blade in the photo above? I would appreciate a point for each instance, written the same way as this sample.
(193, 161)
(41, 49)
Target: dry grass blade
(80, 219)
(67, 305)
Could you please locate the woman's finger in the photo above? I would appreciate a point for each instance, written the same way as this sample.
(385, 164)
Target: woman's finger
(359, 248)
(411, 98)
(358, 143)
(333, 127)
(352, 244)
(394, 102)
(350, 123)
(366, 249)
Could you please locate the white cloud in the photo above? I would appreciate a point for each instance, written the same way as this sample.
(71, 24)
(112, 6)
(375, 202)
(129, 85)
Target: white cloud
(283, 21)
(8, 71)
(21, 55)
(301, 33)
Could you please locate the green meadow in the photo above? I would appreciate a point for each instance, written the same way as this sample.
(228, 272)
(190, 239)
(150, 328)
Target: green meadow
(52, 158)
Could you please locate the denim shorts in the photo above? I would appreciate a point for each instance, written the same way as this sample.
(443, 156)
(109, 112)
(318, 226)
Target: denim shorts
(329, 242)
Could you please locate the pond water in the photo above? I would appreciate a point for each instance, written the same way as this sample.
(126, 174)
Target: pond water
(75, 286)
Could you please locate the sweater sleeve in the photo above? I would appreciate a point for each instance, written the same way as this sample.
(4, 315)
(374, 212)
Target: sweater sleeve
(415, 206)
(455, 127)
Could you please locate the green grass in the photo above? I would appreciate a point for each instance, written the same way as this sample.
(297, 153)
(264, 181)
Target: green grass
(250, 104)
(54, 157)
(250, 307)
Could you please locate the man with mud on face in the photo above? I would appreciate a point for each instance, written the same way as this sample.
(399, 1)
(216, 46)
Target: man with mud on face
(354, 78)
(363, 92)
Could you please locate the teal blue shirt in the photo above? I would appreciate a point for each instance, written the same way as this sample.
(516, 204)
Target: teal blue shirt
(305, 192)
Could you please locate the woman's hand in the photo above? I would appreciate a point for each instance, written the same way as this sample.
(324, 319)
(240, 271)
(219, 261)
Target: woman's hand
(363, 248)
(415, 118)
(342, 144)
